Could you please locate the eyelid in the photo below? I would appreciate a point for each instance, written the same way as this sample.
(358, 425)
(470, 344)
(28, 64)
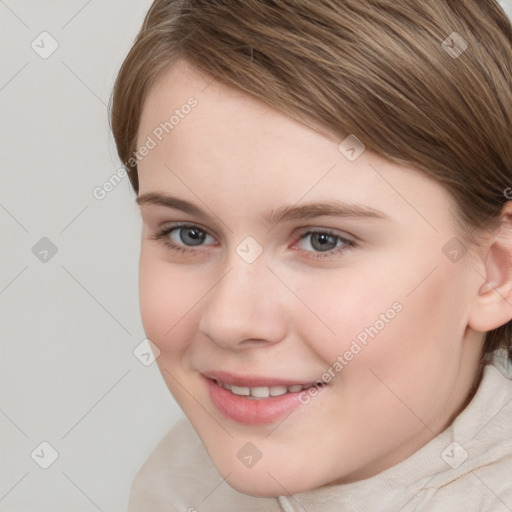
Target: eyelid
(329, 231)
(169, 226)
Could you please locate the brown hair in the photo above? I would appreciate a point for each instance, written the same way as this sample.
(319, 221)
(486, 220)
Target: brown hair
(426, 84)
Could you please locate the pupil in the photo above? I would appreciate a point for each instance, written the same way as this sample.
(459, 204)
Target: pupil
(195, 236)
(323, 239)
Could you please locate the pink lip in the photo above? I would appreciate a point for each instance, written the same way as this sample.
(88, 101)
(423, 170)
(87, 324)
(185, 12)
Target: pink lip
(251, 412)
(247, 410)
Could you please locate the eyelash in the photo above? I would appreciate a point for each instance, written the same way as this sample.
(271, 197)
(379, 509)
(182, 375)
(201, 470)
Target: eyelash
(161, 236)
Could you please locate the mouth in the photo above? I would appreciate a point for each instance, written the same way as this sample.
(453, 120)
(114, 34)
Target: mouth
(262, 392)
(256, 400)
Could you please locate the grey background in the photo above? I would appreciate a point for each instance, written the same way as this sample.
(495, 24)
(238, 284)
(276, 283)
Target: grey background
(70, 319)
(69, 325)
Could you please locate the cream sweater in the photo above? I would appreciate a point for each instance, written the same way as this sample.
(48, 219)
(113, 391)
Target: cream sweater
(179, 475)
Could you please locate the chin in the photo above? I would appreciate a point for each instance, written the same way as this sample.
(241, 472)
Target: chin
(268, 479)
(262, 485)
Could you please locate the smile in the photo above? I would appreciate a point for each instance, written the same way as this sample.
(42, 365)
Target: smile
(249, 401)
(261, 392)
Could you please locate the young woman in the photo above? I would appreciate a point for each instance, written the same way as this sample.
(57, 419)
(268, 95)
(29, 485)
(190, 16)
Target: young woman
(326, 259)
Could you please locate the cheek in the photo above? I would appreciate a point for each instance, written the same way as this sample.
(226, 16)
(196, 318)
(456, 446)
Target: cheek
(346, 309)
(401, 320)
(166, 299)
(413, 361)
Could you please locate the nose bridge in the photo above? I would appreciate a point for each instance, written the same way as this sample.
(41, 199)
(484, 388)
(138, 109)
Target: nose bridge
(246, 272)
(243, 303)
(245, 285)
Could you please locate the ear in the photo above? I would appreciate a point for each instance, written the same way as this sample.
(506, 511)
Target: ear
(492, 305)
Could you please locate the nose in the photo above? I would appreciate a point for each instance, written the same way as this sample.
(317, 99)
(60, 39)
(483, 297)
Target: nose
(246, 308)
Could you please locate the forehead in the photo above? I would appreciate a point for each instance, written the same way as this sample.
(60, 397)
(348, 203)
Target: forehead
(231, 142)
(225, 112)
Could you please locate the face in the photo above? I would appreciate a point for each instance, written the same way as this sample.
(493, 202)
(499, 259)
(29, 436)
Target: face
(253, 296)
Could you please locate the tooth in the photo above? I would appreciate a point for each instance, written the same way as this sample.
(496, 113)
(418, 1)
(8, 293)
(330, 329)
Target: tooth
(295, 388)
(261, 392)
(227, 386)
(239, 390)
(277, 390)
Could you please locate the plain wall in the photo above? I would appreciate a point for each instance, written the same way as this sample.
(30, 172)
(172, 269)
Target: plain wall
(68, 266)
(69, 321)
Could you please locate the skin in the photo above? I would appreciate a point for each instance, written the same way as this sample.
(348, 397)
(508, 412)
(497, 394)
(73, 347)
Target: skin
(288, 316)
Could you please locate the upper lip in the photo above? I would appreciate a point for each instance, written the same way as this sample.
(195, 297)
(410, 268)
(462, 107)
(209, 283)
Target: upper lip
(253, 381)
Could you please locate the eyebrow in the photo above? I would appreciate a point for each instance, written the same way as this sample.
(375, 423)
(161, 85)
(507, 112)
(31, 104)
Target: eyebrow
(333, 208)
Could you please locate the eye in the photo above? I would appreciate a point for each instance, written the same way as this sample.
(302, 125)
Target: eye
(184, 237)
(326, 242)
(189, 234)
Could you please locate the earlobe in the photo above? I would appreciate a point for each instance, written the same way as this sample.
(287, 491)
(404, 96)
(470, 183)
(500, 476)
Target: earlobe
(492, 305)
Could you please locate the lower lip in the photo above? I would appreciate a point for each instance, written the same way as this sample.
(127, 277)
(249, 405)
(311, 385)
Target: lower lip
(252, 411)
